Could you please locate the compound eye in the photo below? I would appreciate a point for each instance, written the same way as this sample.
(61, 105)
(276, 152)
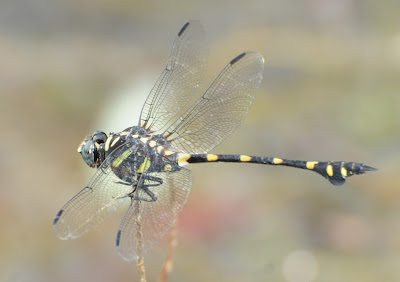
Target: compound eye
(99, 137)
(89, 153)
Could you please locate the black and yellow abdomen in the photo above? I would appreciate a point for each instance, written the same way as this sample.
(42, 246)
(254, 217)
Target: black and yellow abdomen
(335, 172)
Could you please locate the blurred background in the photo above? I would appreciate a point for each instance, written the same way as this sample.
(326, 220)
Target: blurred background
(331, 91)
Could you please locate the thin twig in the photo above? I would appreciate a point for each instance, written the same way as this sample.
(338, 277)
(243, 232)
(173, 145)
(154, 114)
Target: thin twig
(141, 269)
(173, 242)
(139, 242)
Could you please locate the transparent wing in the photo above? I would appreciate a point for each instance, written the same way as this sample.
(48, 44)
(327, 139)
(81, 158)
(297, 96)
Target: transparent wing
(103, 195)
(222, 107)
(180, 79)
(146, 222)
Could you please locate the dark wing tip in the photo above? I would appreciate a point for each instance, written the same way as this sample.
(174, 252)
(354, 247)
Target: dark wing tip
(183, 28)
(237, 58)
(57, 218)
(118, 238)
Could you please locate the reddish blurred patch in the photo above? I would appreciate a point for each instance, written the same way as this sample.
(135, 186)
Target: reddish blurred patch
(207, 218)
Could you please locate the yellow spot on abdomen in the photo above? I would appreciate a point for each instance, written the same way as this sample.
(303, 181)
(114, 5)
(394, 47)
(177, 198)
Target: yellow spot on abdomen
(144, 166)
(311, 165)
(183, 158)
(245, 158)
(212, 157)
(329, 170)
(278, 161)
(343, 171)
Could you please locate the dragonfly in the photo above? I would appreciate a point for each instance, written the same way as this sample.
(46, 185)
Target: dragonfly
(145, 165)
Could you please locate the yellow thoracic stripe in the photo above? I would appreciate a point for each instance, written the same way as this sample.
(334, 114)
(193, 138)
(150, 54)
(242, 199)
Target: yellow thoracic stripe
(115, 141)
(145, 165)
(122, 157)
(107, 146)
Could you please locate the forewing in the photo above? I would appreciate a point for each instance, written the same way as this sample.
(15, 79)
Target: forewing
(222, 107)
(180, 79)
(145, 223)
(97, 201)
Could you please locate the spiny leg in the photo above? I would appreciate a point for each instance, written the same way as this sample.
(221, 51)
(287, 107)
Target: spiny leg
(145, 188)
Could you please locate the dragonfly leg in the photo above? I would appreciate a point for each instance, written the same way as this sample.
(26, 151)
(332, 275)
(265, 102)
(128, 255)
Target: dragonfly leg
(148, 195)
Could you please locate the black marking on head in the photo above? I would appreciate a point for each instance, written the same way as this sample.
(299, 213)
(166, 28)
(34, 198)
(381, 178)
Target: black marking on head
(238, 57)
(57, 217)
(183, 29)
(118, 237)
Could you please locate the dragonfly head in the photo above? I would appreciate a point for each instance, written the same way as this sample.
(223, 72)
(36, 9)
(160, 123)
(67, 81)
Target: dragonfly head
(92, 149)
